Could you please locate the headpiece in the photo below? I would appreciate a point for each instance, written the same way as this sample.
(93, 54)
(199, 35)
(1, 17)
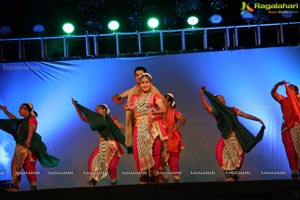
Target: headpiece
(30, 109)
(106, 106)
(146, 74)
(171, 99)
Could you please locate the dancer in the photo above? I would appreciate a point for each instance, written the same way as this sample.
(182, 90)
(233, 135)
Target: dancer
(174, 120)
(148, 130)
(119, 99)
(290, 129)
(235, 139)
(105, 158)
(29, 146)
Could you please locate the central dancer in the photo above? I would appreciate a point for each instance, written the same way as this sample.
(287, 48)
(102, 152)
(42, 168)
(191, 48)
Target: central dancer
(149, 134)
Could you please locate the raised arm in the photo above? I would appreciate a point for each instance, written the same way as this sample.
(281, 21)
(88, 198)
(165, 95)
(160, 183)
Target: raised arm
(8, 114)
(248, 116)
(274, 93)
(82, 117)
(204, 101)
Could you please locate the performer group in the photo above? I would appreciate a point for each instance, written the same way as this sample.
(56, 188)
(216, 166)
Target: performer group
(151, 133)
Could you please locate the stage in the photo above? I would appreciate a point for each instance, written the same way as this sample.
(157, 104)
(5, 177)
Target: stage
(243, 190)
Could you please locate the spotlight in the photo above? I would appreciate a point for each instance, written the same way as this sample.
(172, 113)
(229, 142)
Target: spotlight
(247, 16)
(192, 21)
(215, 19)
(5, 30)
(68, 28)
(113, 25)
(287, 14)
(153, 23)
(38, 28)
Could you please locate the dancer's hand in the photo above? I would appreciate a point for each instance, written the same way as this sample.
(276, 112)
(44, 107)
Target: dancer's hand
(262, 123)
(118, 99)
(202, 90)
(282, 83)
(3, 108)
(74, 101)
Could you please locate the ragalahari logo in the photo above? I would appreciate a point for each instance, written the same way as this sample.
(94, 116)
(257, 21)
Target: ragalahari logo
(246, 6)
(271, 7)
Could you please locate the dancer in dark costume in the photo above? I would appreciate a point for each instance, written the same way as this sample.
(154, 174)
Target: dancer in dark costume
(235, 139)
(105, 158)
(29, 146)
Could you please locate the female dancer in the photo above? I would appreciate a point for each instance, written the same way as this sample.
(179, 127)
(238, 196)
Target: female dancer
(105, 158)
(290, 107)
(174, 120)
(148, 131)
(235, 139)
(29, 146)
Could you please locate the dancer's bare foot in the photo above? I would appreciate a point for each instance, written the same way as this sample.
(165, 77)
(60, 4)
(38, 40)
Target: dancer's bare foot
(230, 179)
(12, 189)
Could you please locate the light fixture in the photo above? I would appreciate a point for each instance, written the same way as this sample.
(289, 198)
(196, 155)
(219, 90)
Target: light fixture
(287, 14)
(5, 30)
(113, 25)
(153, 23)
(247, 16)
(215, 19)
(192, 21)
(68, 28)
(39, 28)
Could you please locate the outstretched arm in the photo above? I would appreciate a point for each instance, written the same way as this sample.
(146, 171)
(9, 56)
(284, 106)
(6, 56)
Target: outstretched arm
(248, 116)
(204, 101)
(274, 93)
(82, 117)
(119, 98)
(8, 114)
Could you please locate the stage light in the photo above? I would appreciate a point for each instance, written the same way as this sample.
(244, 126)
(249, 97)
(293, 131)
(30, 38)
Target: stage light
(5, 30)
(216, 7)
(68, 28)
(215, 19)
(287, 14)
(113, 25)
(38, 28)
(247, 16)
(153, 23)
(192, 21)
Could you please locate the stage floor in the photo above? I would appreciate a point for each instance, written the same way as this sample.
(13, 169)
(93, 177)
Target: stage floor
(243, 190)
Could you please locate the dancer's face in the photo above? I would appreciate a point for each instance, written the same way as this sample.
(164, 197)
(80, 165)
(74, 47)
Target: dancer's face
(145, 84)
(137, 75)
(23, 111)
(221, 98)
(293, 88)
(101, 110)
